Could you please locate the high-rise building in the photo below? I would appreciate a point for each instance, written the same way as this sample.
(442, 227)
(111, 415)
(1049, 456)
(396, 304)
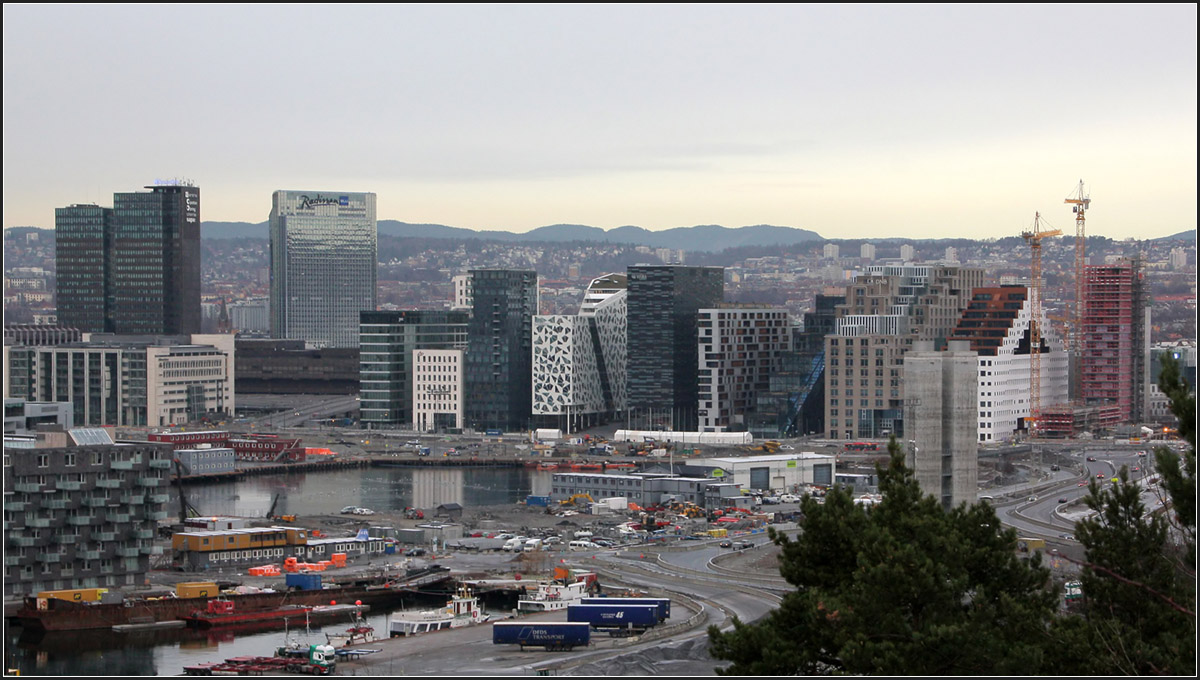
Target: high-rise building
(866, 251)
(663, 369)
(996, 323)
(885, 311)
(1113, 362)
(831, 251)
(386, 362)
(437, 390)
(579, 361)
(941, 419)
(323, 259)
(134, 268)
(740, 349)
(499, 374)
(908, 253)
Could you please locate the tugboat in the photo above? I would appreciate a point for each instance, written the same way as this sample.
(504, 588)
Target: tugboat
(461, 610)
(359, 632)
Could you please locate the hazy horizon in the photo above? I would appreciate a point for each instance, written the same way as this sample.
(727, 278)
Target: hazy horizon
(849, 121)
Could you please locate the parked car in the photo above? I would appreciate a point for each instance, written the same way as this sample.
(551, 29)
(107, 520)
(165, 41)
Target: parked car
(770, 500)
(789, 498)
(603, 542)
(414, 552)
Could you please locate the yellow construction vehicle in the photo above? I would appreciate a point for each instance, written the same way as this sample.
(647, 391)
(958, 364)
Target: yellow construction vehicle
(575, 500)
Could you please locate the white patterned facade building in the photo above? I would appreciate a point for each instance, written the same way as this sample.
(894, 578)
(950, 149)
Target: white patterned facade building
(996, 322)
(579, 360)
(437, 389)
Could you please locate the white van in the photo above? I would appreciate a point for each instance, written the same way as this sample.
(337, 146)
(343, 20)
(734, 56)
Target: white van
(583, 534)
(515, 544)
(582, 545)
(533, 545)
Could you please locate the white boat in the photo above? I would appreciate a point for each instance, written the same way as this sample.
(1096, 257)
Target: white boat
(358, 633)
(461, 610)
(553, 596)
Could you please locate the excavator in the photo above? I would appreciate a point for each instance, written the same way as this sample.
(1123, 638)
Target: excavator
(577, 499)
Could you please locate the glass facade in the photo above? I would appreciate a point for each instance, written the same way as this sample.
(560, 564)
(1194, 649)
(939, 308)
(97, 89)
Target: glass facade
(499, 362)
(663, 357)
(133, 268)
(323, 258)
(386, 344)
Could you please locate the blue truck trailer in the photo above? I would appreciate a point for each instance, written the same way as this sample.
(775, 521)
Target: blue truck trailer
(551, 635)
(617, 619)
(663, 603)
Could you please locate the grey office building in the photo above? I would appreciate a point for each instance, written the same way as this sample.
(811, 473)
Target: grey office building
(663, 357)
(499, 361)
(941, 419)
(323, 256)
(387, 341)
(134, 268)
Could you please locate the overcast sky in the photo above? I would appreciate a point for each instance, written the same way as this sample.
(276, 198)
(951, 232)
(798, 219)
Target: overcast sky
(852, 121)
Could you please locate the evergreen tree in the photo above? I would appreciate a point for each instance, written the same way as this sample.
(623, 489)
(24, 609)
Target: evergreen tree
(903, 588)
(1139, 571)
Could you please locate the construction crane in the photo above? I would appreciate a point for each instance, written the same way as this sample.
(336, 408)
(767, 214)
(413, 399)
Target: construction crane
(1035, 320)
(1079, 202)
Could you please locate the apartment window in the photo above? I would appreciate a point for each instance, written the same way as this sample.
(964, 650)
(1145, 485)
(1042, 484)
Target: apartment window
(43, 460)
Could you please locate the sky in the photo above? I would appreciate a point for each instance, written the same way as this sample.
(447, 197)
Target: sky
(852, 121)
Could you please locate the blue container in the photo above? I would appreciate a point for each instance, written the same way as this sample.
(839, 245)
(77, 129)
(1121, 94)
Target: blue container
(304, 581)
(663, 603)
(618, 616)
(547, 634)
(539, 501)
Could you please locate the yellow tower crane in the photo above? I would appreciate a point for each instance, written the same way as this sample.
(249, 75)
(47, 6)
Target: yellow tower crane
(1035, 321)
(1079, 202)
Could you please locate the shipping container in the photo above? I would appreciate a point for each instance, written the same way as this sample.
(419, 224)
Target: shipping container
(196, 589)
(303, 581)
(557, 635)
(616, 618)
(663, 603)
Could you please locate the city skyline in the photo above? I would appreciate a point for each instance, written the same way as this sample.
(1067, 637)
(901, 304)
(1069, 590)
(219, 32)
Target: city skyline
(853, 122)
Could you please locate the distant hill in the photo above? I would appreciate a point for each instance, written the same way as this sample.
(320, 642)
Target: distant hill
(1189, 236)
(708, 237)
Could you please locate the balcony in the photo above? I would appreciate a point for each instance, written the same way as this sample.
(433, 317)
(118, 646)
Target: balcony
(96, 502)
(37, 523)
(12, 560)
(149, 481)
(158, 498)
(88, 554)
(27, 487)
(128, 552)
(157, 516)
(151, 550)
(160, 465)
(104, 536)
(143, 533)
(57, 504)
(21, 541)
(109, 483)
(16, 506)
(117, 517)
(65, 539)
(133, 499)
(80, 520)
(52, 558)
(65, 485)
(121, 465)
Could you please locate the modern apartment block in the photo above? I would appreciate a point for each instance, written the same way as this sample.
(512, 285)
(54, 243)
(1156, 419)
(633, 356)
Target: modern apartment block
(663, 370)
(80, 511)
(885, 311)
(997, 325)
(133, 268)
(740, 348)
(387, 367)
(323, 260)
(579, 361)
(941, 420)
(1158, 407)
(499, 374)
(1115, 341)
(142, 381)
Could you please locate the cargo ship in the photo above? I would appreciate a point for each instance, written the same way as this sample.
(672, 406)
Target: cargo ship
(53, 614)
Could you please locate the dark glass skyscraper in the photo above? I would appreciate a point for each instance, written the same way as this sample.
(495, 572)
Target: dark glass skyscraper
(499, 362)
(134, 268)
(663, 351)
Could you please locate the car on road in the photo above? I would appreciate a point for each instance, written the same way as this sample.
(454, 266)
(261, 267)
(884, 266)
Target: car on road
(1101, 475)
(743, 545)
(726, 544)
(1063, 500)
(1081, 484)
(1091, 459)
(1068, 537)
(414, 552)
(453, 452)
(1141, 454)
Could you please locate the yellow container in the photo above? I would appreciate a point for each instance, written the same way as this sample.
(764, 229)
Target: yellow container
(76, 595)
(196, 589)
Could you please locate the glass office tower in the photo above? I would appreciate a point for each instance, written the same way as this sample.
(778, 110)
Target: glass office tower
(386, 343)
(323, 255)
(499, 362)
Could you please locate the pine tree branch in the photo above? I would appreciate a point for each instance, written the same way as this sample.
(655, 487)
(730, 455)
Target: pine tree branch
(1136, 584)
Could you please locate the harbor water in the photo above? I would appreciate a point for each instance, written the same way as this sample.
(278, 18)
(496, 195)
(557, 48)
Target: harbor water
(103, 653)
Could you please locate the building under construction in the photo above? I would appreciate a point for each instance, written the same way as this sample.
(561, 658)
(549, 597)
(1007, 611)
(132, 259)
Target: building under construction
(1112, 364)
